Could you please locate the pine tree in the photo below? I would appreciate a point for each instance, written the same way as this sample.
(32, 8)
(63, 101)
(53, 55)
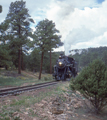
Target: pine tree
(92, 83)
(5, 58)
(46, 38)
(53, 39)
(19, 21)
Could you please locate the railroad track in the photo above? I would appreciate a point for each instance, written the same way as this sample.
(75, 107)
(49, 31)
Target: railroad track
(19, 90)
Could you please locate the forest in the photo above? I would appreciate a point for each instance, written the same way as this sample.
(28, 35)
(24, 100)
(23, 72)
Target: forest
(22, 48)
(85, 56)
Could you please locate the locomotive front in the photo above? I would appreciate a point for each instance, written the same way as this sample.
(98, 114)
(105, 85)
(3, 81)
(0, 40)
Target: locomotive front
(61, 62)
(64, 68)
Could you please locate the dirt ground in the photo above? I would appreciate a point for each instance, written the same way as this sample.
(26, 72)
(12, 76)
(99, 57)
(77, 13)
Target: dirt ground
(55, 107)
(37, 105)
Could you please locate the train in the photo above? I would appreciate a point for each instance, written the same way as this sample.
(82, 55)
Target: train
(65, 68)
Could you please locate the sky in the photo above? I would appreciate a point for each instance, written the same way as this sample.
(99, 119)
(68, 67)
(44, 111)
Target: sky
(82, 23)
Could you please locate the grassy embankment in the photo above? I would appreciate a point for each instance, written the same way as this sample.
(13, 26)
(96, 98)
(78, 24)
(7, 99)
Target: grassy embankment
(25, 103)
(12, 78)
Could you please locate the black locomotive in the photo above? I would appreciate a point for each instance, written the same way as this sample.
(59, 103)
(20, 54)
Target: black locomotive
(66, 67)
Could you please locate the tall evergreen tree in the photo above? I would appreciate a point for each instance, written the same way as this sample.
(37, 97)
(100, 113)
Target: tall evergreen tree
(46, 38)
(5, 58)
(53, 38)
(19, 21)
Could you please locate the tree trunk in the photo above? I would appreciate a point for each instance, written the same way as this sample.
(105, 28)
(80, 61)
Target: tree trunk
(19, 54)
(22, 65)
(41, 65)
(50, 64)
(19, 65)
(6, 67)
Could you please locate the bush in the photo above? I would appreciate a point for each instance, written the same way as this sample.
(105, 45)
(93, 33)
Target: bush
(92, 83)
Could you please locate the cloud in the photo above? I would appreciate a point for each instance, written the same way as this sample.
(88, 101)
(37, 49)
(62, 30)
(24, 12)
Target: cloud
(78, 35)
(82, 24)
(36, 8)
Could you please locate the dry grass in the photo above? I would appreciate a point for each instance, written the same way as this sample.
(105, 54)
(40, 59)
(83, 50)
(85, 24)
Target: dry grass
(12, 78)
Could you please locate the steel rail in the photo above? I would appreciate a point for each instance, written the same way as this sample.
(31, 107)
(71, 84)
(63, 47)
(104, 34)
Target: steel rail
(19, 90)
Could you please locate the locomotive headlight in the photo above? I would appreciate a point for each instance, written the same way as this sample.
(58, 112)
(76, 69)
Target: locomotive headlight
(60, 63)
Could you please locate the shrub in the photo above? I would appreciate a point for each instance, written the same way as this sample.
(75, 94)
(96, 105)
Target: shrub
(92, 83)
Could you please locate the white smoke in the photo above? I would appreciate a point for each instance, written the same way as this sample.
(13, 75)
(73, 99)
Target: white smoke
(82, 24)
(76, 36)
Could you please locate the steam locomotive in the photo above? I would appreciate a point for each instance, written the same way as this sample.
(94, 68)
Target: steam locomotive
(66, 67)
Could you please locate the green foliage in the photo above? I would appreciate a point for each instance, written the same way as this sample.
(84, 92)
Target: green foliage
(14, 81)
(86, 56)
(0, 8)
(19, 27)
(33, 60)
(104, 57)
(19, 21)
(92, 83)
(5, 58)
(46, 36)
